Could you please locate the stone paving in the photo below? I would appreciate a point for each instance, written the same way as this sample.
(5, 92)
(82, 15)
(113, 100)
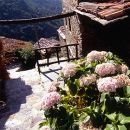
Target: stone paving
(24, 93)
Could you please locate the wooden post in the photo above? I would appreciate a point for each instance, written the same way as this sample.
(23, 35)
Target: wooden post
(68, 53)
(36, 59)
(47, 55)
(57, 54)
(76, 47)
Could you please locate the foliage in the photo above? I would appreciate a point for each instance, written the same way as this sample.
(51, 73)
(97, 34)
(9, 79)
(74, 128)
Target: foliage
(26, 56)
(85, 98)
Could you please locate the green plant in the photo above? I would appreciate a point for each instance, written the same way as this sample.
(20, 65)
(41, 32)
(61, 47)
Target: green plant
(96, 92)
(26, 56)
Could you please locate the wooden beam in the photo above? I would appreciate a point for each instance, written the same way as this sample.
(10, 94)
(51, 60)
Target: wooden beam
(56, 47)
(36, 20)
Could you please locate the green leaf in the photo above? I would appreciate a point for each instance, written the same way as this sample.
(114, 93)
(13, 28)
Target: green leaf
(96, 119)
(77, 83)
(110, 127)
(93, 105)
(103, 97)
(109, 55)
(75, 127)
(117, 99)
(103, 107)
(72, 88)
(44, 123)
(127, 91)
(88, 110)
(103, 101)
(121, 127)
(123, 119)
(84, 117)
(112, 116)
(54, 121)
(97, 109)
(93, 64)
(128, 73)
(112, 61)
(69, 83)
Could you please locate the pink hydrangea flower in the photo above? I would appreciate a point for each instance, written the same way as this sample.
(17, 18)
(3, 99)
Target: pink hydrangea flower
(128, 82)
(69, 70)
(52, 87)
(96, 56)
(50, 99)
(45, 128)
(86, 126)
(122, 80)
(124, 68)
(87, 80)
(105, 69)
(107, 84)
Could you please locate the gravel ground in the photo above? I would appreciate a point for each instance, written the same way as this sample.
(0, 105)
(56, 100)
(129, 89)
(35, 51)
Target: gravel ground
(24, 92)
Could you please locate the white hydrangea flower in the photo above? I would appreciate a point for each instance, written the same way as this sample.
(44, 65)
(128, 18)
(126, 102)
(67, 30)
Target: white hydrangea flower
(105, 69)
(107, 84)
(96, 56)
(69, 70)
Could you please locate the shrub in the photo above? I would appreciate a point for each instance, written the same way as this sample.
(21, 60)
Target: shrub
(95, 95)
(26, 56)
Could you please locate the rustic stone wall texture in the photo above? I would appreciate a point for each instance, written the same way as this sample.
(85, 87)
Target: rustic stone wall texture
(113, 37)
(91, 35)
(72, 27)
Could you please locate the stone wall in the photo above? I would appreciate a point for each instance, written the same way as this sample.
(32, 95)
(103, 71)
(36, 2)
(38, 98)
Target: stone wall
(91, 35)
(69, 4)
(72, 26)
(113, 37)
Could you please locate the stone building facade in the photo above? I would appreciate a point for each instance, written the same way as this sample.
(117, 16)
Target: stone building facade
(71, 25)
(92, 35)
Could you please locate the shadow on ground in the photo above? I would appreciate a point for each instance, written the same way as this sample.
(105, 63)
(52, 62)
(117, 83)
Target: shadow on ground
(51, 74)
(16, 93)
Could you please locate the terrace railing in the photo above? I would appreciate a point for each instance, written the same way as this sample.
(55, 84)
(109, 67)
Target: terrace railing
(56, 51)
(33, 21)
(36, 20)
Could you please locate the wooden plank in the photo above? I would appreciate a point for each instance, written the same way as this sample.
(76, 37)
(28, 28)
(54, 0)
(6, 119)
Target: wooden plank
(56, 47)
(56, 62)
(36, 20)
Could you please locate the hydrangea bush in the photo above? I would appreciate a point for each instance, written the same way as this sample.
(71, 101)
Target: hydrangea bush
(95, 95)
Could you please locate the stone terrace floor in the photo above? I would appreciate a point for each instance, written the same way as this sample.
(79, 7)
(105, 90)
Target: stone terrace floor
(24, 92)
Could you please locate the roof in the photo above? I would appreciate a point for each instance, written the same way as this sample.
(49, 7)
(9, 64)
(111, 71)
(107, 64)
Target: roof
(10, 44)
(61, 32)
(104, 13)
(45, 43)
